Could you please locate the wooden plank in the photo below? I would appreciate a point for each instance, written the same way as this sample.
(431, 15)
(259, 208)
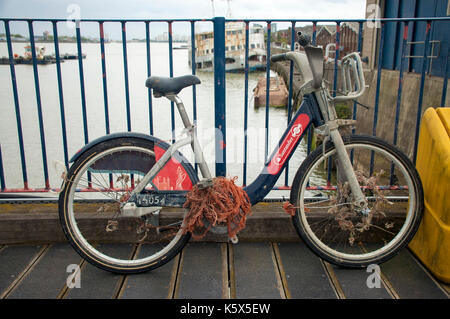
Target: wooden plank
(155, 284)
(226, 287)
(97, 283)
(48, 276)
(409, 279)
(39, 223)
(304, 273)
(354, 284)
(201, 274)
(254, 271)
(14, 260)
(279, 271)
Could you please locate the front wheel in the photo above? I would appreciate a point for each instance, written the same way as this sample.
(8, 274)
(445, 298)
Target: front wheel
(99, 183)
(346, 235)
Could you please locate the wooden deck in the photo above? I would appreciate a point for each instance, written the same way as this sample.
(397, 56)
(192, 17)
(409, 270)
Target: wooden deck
(212, 271)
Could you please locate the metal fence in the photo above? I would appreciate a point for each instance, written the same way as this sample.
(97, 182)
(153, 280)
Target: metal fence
(219, 84)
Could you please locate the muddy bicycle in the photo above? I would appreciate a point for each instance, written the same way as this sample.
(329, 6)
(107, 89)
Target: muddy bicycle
(356, 199)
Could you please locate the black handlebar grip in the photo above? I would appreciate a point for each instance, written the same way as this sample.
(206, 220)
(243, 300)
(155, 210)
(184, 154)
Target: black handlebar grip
(303, 39)
(278, 57)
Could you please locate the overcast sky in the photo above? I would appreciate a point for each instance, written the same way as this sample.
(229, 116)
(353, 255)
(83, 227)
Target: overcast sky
(173, 9)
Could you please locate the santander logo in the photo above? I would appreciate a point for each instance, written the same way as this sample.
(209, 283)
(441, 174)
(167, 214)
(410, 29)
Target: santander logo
(297, 130)
(288, 144)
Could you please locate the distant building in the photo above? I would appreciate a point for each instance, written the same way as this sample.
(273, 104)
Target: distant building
(326, 34)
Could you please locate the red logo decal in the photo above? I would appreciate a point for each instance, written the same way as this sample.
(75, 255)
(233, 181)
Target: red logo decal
(288, 144)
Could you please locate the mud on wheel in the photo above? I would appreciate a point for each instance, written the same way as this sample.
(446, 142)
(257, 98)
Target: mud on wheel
(96, 186)
(333, 227)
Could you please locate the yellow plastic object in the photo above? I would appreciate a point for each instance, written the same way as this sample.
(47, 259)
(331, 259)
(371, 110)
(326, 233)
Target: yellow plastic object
(431, 244)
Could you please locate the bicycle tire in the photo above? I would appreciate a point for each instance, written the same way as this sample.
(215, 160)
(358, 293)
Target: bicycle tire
(79, 239)
(322, 226)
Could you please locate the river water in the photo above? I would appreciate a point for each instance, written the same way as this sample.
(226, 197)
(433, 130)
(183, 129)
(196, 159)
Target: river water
(137, 72)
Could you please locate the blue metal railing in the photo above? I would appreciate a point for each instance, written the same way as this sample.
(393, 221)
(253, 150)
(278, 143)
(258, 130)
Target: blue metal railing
(219, 83)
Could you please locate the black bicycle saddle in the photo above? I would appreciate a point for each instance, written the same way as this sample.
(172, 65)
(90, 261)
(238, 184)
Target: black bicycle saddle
(165, 85)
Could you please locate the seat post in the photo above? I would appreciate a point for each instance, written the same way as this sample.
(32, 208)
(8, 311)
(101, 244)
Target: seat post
(198, 153)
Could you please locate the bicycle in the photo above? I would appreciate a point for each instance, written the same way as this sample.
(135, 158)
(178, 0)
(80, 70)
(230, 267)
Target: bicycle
(129, 187)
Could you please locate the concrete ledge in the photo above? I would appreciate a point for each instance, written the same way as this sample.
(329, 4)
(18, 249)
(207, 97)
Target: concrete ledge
(39, 223)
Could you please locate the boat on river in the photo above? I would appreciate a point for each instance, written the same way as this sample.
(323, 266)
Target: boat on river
(234, 48)
(278, 93)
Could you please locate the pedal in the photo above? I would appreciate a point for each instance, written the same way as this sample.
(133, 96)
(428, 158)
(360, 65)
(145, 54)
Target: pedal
(234, 240)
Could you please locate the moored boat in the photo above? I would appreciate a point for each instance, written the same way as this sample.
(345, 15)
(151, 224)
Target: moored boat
(278, 93)
(234, 48)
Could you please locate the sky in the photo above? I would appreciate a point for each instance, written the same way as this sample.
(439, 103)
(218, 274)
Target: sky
(171, 9)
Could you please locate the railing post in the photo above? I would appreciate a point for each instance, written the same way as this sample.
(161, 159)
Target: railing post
(421, 89)
(16, 105)
(2, 175)
(219, 95)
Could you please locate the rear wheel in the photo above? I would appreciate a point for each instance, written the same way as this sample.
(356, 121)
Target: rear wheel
(96, 186)
(333, 227)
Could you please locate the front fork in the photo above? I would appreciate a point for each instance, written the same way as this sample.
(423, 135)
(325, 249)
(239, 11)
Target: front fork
(346, 166)
(332, 129)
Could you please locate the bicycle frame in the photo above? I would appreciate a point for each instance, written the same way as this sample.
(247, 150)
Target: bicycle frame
(307, 114)
(316, 109)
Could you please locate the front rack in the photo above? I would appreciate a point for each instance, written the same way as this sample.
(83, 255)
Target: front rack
(352, 75)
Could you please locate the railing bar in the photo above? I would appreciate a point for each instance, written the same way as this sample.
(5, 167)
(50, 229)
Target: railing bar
(422, 86)
(247, 43)
(17, 106)
(291, 76)
(314, 34)
(377, 90)
(234, 20)
(220, 96)
(2, 176)
(310, 129)
(194, 87)
(266, 144)
(404, 26)
(172, 105)
(346, 20)
(378, 83)
(104, 20)
(105, 86)
(400, 81)
(355, 109)
(149, 73)
(336, 57)
(444, 86)
(82, 90)
(335, 79)
(125, 73)
(61, 96)
(38, 104)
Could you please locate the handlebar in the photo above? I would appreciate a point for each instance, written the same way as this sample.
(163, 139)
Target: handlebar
(278, 57)
(311, 68)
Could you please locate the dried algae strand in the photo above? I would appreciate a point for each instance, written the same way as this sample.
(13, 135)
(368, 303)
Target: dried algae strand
(224, 203)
